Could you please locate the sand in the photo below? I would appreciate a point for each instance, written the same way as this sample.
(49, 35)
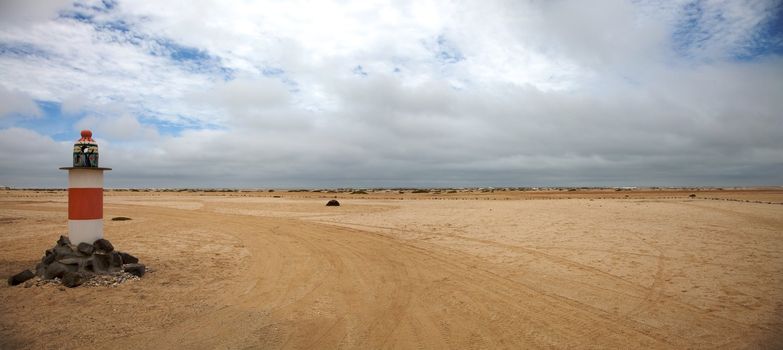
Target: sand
(584, 269)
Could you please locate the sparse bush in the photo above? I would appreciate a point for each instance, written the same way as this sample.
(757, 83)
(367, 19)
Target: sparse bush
(421, 191)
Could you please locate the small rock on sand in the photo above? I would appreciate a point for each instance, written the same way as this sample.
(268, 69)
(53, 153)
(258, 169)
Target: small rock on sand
(20, 277)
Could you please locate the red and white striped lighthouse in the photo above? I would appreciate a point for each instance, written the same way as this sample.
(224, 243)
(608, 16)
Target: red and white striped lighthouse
(85, 192)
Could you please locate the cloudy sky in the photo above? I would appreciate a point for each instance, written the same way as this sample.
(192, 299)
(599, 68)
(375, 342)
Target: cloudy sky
(396, 93)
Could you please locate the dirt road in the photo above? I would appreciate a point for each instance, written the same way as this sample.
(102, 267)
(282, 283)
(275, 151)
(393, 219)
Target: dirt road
(277, 273)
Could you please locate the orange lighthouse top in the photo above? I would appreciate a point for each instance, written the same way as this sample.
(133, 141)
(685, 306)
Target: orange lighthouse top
(86, 136)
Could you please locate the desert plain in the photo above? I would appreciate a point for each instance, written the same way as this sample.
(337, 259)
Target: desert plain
(652, 269)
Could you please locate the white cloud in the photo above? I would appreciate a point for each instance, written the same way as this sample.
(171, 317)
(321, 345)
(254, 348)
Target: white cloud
(15, 102)
(30, 159)
(118, 127)
(245, 93)
(22, 12)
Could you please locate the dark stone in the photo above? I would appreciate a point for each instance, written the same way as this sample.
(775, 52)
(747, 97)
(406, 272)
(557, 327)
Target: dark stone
(63, 241)
(101, 263)
(333, 203)
(135, 269)
(104, 245)
(63, 251)
(88, 266)
(74, 279)
(58, 269)
(128, 259)
(115, 260)
(120, 218)
(72, 261)
(23, 276)
(85, 248)
(40, 269)
(48, 258)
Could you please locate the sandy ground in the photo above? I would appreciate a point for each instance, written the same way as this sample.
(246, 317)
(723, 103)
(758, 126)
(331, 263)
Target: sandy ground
(582, 269)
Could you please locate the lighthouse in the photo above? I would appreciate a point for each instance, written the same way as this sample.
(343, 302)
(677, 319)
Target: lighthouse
(85, 192)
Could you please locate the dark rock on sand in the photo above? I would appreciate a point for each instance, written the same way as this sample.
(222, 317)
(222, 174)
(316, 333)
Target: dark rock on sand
(128, 259)
(40, 269)
(135, 269)
(85, 248)
(72, 261)
(115, 260)
(104, 245)
(58, 269)
(63, 251)
(48, 258)
(21, 277)
(63, 241)
(101, 263)
(333, 203)
(74, 279)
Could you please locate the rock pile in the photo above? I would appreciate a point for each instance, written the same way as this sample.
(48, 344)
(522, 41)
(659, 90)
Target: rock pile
(74, 265)
(333, 203)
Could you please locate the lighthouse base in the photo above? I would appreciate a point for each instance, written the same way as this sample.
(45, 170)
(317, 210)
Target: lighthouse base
(87, 231)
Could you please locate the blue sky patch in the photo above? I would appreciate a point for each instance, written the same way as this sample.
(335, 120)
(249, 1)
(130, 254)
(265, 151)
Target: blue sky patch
(78, 16)
(691, 35)
(769, 38)
(272, 72)
(280, 74)
(22, 50)
(51, 123)
(447, 52)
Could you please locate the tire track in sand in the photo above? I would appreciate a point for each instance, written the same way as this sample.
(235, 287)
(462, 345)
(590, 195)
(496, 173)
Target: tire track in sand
(310, 285)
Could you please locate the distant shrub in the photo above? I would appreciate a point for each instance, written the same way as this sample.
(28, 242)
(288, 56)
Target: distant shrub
(692, 195)
(359, 192)
(421, 191)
